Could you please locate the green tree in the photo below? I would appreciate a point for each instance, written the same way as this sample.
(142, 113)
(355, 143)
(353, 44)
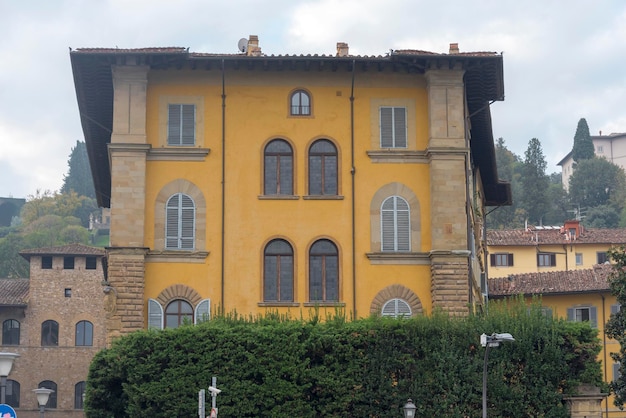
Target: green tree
(509, 169)
(583, 145)
(616, 325)
(597, 182)
(603, 216)
(78, 177)
(558, 204)
(535, 183)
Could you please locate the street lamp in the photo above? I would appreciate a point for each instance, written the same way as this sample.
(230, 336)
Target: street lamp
(42, 398)
(409, 409)
(6, 363)
(489, 341)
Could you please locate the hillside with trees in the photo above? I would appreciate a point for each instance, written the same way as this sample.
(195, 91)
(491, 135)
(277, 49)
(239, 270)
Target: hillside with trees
(52, 218)
(597, 188)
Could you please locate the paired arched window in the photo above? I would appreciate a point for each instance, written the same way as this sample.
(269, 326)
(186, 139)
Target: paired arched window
(395, 225)
(50, 333)
(84, 333)
(323, 272)
(52, 400)
(323, 168)
(180, 218)
(278, 168)
(278, 272)
(79, 394)
(300, 103)
(396, 308)
(11, 332)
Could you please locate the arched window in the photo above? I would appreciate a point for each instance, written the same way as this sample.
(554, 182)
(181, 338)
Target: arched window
(278, 168)
(396, 308)
(13, 393)
(52, 400)
(79, 394)
(50, 333)
(323, 272)
(11, 332)
(180, 218)
(84, 333)
(177, 313)
(278, 272)
(300, 103)
(323, 168)
(395, 225)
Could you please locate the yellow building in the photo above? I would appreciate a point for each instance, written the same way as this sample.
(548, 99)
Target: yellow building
(577, 295)
(287, 183)
(550, 248)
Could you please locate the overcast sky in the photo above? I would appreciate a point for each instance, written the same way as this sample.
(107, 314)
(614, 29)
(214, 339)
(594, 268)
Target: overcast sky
(563, 60)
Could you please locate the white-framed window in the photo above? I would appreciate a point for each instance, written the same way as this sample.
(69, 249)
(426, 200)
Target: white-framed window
(395, 225)
(501, 259)
(583, 314)
(180, 222)
(176, 312)
(393, 127)
(579, 259)
(396, 308)
(181, 124)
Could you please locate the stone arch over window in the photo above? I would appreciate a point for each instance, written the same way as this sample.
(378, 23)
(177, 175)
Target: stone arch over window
(396, 291)
(187, 188)
(179, 291)
(401, 190)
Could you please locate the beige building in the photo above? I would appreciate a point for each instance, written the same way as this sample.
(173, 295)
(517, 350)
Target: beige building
(611, 147)
(538, 249)
(55, 322)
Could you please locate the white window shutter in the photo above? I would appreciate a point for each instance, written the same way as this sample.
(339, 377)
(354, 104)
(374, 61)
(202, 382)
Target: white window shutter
(403, 225)
(203, 311)
(155, 314)
(396, 308)
(387, 225)
(188, 129)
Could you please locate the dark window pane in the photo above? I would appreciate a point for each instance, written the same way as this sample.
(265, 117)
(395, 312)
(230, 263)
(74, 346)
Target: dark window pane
(90, 263)
(11, 332)
(50, 333)
(286, 278)
(177, 312)
(84, 333)
(13, 393)
(68, 263)
(278, 272)
(46, 262)
(79, 393)
(315, 175)
(52, 400)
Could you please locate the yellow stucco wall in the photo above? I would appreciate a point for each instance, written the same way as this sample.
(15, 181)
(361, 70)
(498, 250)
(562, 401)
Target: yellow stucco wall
(256, 112)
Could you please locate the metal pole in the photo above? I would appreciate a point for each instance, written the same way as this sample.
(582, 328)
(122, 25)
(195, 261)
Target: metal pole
(42, 413)
(3, 389)
(485, 380)
(213, 394)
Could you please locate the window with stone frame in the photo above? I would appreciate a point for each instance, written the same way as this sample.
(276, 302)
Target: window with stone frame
(84, 334)
(13, 393)
(323, 168)
(181, 124)
(323, 272)
(393, 127)
(278, 168)
(50, 333)
(396, 308)
(79, 394)
(395, 225)
(52, 399)
(11, 332)
(278, 271)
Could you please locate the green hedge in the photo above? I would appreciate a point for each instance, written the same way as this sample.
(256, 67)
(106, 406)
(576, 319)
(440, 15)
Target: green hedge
(276, 367)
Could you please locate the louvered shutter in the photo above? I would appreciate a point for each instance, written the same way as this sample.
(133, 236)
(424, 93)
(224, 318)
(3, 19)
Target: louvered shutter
(510, 260)
(593, 316)
(387, 225)
(492, 259)
(403, 225)
(173, 124)
(396, 308)
(188, 129)
(571, 316)
(155, 314)
(187, 223)
(399, 127)
(203, 311)
(171, 222)
(386, 127)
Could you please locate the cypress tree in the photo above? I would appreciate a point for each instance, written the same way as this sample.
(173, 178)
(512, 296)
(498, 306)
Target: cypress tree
(583, 146)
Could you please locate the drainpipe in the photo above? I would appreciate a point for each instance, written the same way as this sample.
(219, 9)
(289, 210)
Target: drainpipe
(606, 376)
(352, 174)
(223, 182)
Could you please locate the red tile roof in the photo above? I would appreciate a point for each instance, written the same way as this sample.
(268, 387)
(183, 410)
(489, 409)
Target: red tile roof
(14, 292)
(554, 235)
(70, 249)
(554, 282)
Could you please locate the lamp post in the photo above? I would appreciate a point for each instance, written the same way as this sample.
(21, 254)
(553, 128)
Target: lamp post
(409, 409)
(489, 341)
(6, 363)
(43, 394)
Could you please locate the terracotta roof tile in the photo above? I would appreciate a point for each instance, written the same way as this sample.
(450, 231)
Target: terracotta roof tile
(14, 292)
(554, 282)
(554, 235)
(70, 249)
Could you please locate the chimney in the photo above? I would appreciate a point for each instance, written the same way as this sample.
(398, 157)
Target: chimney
(253, 46)
(342, 49)
(454, 48)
